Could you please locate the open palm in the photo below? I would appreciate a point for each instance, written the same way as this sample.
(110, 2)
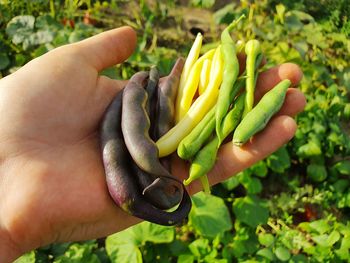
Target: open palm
(52, 183)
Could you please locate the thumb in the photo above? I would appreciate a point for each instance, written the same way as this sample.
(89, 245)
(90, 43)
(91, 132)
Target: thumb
(108, 48)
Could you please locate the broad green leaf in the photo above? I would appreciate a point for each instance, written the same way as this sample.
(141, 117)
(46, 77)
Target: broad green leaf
(37, 38)
(266, 239)
(292, 22)
(320, 226)
(77, 253)
(343, 252)
(280, 10)
(225, 15)
(266, 253)
(310, 149)
(316, 172)
(251, 184)
(209, 215)
(26, 258)
(259, 169)
(341, 185)
(20, 24)
(282, 253)
(298, 259)
(149, 232)
(343, 167)
(251, 210)
(347, 110)
(327, 240)
(279, 161)
(122, 247)
(302, 48)
(199, 247)
(231, 183)
(185, 258)
(4, 61)
(203, 3)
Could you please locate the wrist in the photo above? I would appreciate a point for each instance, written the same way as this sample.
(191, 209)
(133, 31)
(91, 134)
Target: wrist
(8, 249)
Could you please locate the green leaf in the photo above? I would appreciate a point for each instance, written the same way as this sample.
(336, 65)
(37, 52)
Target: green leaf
(282, 253)
(341, 185)
(209, 215)
(343, 167)
(200, 247)
(185, 258)
(251, 210)
(316, 172)
(298, 259)
(122, 247)
(20, 24)
(310, 149)
(26, 258)
(327, 240)
(225, 15)
(347, 110)
(259, 169)
(266, 253)
(203, 3)
(251, 184)
(320, 226)
(266, 239)
(149, 232)
(231, 183)
(302, 47)
(37, 38)
(77, 253)
(4, 61)
(279, 161)
(280, 9)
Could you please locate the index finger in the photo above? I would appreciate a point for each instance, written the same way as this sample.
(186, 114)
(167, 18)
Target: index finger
(271, 77)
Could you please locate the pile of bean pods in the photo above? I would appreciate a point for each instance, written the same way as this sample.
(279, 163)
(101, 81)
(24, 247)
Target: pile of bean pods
(191, 111)
(138, 180)
(214, 101)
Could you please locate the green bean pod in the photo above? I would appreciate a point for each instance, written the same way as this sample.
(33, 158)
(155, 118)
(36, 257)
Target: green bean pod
(191, 144)
(259, 116)
(204, 161)
(206, 157)
(231, 71)
(252, 50)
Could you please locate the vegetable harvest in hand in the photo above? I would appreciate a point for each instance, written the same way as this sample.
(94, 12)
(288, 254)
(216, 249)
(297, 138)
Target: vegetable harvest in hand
(191, 112)
(225, 105)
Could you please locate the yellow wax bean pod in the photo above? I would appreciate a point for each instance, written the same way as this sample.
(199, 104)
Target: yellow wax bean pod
(204, 77)
(191, 84)
(169, 142)
(190, 60)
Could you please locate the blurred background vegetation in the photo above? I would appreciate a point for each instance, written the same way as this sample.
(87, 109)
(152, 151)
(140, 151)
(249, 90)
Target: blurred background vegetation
(292, 207)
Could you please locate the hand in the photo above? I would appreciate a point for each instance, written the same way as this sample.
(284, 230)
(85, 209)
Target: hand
(52, 182)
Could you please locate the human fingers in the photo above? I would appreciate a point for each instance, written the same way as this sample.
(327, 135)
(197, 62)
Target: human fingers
(294, 103)
(271, 77)
(108, 48)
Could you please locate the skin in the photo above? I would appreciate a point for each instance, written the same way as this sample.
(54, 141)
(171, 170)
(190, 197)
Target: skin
(52, 181)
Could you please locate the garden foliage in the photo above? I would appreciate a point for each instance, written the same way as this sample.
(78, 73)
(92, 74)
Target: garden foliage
(294, 205)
